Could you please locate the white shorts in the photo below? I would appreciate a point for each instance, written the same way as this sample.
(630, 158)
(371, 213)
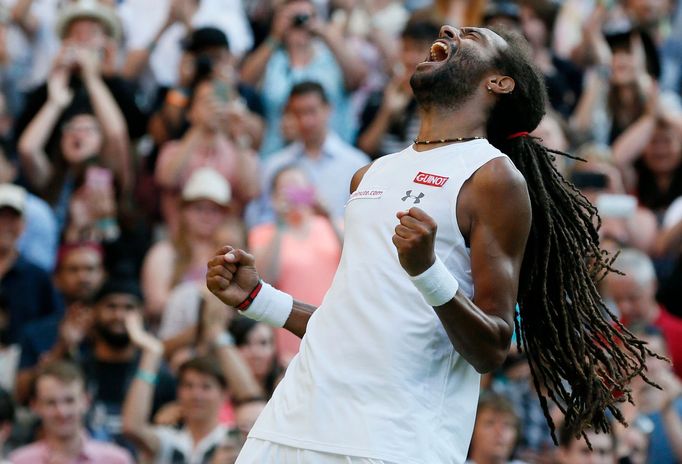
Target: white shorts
(257, 451)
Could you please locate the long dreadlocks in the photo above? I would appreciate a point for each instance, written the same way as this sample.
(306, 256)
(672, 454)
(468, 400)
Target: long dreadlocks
(580, 356)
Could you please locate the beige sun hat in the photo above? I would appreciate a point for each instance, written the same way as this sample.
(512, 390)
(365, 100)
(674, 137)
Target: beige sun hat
(207, 184)
(89, 9)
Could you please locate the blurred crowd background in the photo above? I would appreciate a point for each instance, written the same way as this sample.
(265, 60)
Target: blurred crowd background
(138, 136)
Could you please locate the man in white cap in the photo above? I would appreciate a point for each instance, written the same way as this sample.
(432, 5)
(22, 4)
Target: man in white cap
(25, 288)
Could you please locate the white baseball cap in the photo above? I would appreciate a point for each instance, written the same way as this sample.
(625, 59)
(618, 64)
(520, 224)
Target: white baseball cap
(207, 184)
(13, 196)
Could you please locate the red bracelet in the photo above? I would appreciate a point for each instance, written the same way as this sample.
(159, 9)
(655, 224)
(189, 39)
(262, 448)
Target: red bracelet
(244, 305)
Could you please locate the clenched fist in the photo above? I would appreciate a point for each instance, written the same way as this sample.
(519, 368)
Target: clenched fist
(415, 239)
(231, 275)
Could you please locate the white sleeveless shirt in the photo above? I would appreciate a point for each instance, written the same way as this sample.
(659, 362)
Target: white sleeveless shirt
(376, 375)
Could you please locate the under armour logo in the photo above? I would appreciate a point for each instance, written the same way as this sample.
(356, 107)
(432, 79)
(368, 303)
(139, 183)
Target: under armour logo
(417, 198)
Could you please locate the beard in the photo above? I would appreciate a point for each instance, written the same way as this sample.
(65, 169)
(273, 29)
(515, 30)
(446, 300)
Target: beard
(113, 339)
(451, 84)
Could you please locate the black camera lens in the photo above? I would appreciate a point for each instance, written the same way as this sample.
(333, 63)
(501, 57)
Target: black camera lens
(301, 20)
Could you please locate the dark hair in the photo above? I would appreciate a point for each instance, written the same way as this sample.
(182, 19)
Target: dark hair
(566, 438)
(546, 10)
(122, 286)
(65, 250)
(6, 407)
(421, 30)
(306, 87)
(206, 37)
(240, 328)
(204, 365)
(581, 357)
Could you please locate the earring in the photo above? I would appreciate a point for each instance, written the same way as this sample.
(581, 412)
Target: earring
(490, 90)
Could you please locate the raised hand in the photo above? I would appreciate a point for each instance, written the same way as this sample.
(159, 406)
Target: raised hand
(231, 275)
(414, 239)
(214, 318)
(58, 90)
(75, 325)
(139, 336)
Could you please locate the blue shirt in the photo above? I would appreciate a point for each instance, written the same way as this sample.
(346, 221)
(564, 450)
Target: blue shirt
(280, 77)
(660, 451)
(38, 243)
(29, 294)
(330, 173)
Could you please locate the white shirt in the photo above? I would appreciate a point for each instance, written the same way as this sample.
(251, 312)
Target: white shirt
(377, 376)
(142, 19)
(34, 55)
(181, 310)
(176, 445)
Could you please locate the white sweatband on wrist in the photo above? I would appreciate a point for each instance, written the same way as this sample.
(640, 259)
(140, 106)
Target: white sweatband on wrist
(271, 306)
(436, 284)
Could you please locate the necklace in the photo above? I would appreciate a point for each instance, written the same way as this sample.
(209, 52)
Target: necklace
(457, 139)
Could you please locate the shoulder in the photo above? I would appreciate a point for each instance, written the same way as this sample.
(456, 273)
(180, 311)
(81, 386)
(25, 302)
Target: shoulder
(161, 252)
(107, 452)
(350, 154)
(496, 198)
(499, 179)
(28, 269)
(27, 454)
(44, 325)
(279, 159)
(357, 177)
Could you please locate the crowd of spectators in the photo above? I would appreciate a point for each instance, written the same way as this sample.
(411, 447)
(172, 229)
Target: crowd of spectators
(138, 136)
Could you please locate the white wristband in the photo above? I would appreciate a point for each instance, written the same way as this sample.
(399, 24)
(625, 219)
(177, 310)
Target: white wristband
(271, 306)
(436, 284)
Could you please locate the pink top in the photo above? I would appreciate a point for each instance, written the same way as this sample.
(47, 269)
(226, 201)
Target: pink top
(93, 451)
(307, 268)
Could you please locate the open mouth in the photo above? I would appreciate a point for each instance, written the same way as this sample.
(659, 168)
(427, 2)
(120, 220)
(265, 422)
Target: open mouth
(439, 51)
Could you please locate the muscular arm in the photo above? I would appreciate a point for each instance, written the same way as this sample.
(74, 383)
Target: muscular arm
(497, 212)
(497, 204)
(494, 213)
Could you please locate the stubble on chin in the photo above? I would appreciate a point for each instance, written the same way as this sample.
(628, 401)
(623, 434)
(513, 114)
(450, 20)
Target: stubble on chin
(449, 85)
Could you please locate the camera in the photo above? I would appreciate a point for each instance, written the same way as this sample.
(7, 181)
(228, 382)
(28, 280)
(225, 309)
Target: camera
(203, 66)
(300, 20)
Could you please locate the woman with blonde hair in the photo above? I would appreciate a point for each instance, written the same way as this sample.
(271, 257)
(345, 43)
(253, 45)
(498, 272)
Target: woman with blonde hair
(203, 210)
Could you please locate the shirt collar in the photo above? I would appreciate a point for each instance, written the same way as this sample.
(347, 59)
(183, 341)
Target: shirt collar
(329, 146)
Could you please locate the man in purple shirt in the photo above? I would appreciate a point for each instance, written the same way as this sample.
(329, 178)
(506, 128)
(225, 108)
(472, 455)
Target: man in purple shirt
(61, 403)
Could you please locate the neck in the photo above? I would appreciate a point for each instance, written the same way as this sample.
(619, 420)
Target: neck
(65, 446)
(107, 353)
(439, 123)
(200, 429)
(7, 258)
(483, 459)
(298, 221)
(654, 313)
(663, 181)
(313, 145)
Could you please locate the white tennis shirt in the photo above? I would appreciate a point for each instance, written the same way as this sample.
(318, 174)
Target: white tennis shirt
(376, 375)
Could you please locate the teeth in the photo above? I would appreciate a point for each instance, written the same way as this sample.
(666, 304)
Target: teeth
(436, 48)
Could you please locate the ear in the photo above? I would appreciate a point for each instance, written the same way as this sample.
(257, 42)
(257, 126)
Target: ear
(500, 84)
